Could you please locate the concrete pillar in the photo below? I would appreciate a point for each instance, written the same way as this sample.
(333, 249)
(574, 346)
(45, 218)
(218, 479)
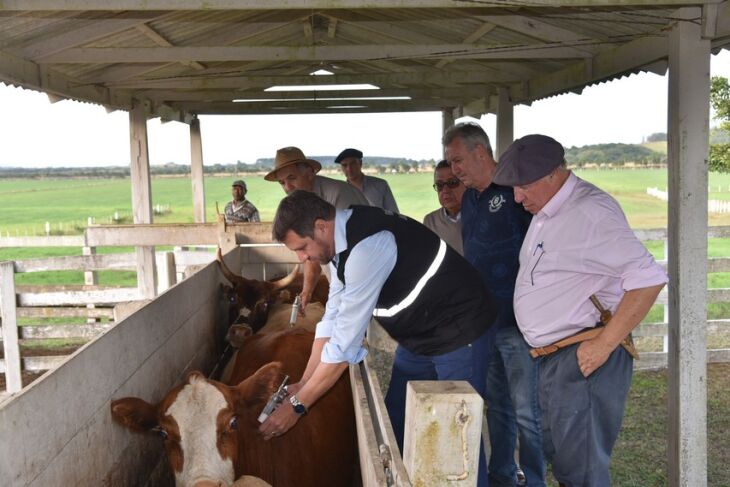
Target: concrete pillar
(196, 171)
(688, 127)
(505, 122)
(142, 197)
(9, 335)
(442, 433)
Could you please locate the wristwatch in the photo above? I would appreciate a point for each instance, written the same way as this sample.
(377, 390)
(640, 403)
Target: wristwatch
(299, 408)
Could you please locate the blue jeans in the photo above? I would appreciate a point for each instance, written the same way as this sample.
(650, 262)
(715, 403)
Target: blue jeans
(467, 363)
(512, 408)
(582, 416)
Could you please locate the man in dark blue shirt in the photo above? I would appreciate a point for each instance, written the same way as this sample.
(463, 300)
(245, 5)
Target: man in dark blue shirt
(493, 228)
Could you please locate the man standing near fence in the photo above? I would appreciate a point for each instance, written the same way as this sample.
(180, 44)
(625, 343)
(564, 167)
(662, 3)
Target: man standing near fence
(578, 256)
(240, 210)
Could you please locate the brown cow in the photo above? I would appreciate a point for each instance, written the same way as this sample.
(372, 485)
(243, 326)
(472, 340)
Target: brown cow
(210, 428)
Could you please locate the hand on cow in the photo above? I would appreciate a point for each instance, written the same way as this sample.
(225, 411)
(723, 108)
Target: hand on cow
(280, 421)
(305, 296)
(591, 354)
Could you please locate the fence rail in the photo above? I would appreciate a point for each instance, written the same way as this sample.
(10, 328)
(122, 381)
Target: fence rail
(93, 302)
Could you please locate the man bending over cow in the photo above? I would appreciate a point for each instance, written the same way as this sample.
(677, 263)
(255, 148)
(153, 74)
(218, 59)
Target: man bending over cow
(426, 296)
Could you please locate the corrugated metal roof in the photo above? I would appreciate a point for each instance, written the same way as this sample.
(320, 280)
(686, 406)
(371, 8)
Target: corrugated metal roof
(448, 53)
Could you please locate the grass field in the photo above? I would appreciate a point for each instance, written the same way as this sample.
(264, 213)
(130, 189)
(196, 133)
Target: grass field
(26, 205)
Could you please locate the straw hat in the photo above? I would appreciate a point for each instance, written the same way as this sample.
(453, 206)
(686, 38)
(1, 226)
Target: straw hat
(286, 157)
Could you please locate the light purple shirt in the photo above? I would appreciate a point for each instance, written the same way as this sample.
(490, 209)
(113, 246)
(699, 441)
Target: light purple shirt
(578, 244)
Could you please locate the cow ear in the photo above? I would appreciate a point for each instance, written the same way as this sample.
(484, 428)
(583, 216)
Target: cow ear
(135, 414)
(255, 391)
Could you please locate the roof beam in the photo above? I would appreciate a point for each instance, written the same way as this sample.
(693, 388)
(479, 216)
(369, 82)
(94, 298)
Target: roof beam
(32, 5)
(229, 95)
(161, 41)
(249, 82)
(83, 31)
(480, 32)
(16, 71)
(308, 107)
(308, 53)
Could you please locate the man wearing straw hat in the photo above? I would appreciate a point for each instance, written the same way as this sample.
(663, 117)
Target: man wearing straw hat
(295, 171)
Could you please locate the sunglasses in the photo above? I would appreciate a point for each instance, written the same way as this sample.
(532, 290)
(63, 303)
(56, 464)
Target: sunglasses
(451, 183)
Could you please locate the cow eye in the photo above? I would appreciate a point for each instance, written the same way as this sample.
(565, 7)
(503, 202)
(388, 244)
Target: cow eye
(233, 423)
(160, 432)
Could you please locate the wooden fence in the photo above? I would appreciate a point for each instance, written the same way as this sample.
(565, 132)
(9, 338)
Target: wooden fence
(91, 302)
(95, 304)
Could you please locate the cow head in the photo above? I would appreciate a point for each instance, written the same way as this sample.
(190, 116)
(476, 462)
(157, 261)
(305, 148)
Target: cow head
(255, 295)
(199, 422)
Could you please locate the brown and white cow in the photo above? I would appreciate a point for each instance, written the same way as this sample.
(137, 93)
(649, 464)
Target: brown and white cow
(210, 428)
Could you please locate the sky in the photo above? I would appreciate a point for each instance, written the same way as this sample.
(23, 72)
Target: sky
(36, 133)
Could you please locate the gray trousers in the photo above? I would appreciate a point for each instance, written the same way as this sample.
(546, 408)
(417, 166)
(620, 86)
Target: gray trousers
(581, 417)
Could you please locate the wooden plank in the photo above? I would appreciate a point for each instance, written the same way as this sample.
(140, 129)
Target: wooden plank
(95, 262)
(9, 330)
(62, 241)
(688, 128)
(660, 329)
(169, 234)
(658, 360)
(143, 5)
(196, 171)
(718, 264)
(74, 298)
(371, 468)
(87, 331)
(65, 312)
(38, 364)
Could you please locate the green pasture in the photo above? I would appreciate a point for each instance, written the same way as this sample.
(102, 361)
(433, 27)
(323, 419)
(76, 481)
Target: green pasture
(27, 204)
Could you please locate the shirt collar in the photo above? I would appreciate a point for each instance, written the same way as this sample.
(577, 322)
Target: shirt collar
(341, 218)
(559, 198)
(446, 214)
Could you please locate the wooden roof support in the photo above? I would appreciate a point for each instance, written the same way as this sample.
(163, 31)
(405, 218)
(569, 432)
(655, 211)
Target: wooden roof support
(196, 171)
(688, 127)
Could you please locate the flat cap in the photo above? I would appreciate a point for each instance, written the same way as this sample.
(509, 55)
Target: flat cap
(348, 153)
(239, 182)
(528, 159)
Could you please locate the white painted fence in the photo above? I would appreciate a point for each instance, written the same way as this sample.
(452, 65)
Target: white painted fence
(713, 206)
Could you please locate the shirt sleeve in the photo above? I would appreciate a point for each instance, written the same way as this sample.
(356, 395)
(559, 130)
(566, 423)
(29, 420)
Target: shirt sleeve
(350, 306)
(617, 252)
(388, 199)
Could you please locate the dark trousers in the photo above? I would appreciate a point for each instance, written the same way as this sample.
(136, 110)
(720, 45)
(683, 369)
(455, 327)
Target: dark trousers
(581, 417)
(467, 363)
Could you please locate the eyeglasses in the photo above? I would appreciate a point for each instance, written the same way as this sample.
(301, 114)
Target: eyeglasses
(451, 183)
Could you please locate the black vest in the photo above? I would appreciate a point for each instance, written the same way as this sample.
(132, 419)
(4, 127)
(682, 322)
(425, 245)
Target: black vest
(433, 301)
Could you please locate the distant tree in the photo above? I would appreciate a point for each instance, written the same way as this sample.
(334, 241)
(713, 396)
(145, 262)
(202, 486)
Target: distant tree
(720, 101)
(657, 137)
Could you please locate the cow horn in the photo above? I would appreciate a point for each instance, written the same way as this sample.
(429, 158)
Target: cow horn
(233, 278)
(286, 280)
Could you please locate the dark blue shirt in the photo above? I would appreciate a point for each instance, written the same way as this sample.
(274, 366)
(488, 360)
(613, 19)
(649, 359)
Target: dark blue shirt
(493, 226)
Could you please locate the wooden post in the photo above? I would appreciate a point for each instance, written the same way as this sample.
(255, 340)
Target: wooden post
(142, 197)
(13, 380)
(443, 433)
(196, 171)
(447, 118)
(90, 278)
(688, 126)
(505, 122)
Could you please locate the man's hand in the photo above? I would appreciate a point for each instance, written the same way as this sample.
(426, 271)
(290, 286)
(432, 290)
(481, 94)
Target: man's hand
(305, 296)
(293, 388)
(280, 421)
(591, 354)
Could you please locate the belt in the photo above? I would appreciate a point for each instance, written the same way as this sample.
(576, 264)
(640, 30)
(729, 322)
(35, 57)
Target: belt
(581, 336)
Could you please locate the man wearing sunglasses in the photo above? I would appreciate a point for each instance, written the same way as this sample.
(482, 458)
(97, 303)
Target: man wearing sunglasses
(446, 221)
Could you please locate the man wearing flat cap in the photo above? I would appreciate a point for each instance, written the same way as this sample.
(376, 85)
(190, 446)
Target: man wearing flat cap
(293, 170)
(585, 281)
(240, 210)
(493, 227)
(376, 190)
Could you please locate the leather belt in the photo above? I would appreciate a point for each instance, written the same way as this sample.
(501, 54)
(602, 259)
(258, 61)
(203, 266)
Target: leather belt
(627, 343)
